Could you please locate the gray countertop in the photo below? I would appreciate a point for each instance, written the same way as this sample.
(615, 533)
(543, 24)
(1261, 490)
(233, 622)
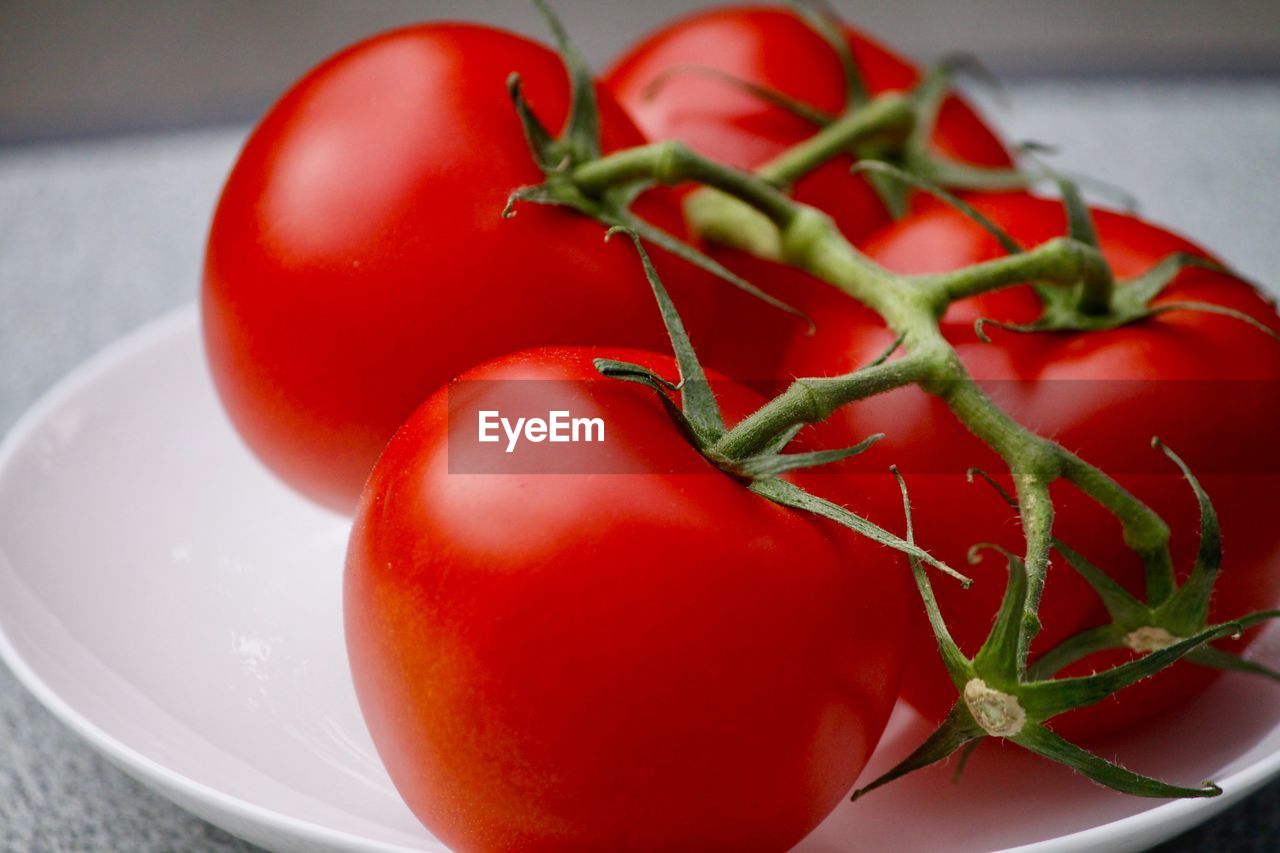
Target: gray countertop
(96, 237)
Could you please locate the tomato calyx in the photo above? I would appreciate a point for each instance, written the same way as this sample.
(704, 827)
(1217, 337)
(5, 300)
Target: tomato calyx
(894, 127)
(1170, 612)
(1095, 300)
(1132, 301)
(999, 696)
(1098, 301)
(559, 158)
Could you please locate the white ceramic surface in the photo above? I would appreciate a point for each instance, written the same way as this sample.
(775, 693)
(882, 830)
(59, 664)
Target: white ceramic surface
(178, 608)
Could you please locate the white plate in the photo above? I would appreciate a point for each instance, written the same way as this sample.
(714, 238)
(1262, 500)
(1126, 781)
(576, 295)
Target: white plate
(178, 608)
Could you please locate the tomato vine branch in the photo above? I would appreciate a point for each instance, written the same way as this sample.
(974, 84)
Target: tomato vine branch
(775, 226)
(999, 694)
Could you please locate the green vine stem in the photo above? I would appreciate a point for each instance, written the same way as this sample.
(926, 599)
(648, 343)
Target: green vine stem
(889, 116)
(749, 213)
(999, 694)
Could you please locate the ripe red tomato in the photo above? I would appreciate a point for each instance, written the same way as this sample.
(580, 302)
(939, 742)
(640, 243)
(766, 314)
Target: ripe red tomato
(775, 48)
(358, 260)
(642, 655)
(1208, 385)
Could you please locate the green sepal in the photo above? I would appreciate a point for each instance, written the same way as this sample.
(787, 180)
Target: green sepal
(791, 495)
(918, 155)
(784, 438)
(999, 656)
(613, 212)
(1123, 608)
(966, 176)
(580, 143)
(767, 465)
(958, 666)
(625, 371)
(1043, 742)
(698, 402)
(923, 183)
(621, 216)
(957, 730)
(1180, 611)
(1141, 289)
(824, 21)
(1188, 607)
(1213, 658)
(579, 140)
(1080, 225)
(546, 151)
(888, 351)
(1210, 308)
(893, 194)
(629, 372)
(532, 194)
(1074, 648)
(582, 127)
(767, 94)
(1131, 302)
(1046, 699)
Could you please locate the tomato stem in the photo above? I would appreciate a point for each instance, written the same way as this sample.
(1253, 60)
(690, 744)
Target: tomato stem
(889, 116)
(1061, 259)
(810, 401)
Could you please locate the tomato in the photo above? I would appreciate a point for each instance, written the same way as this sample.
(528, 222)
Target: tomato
(774, 47)
(357, 258)
(638, 654)
(1208, 385)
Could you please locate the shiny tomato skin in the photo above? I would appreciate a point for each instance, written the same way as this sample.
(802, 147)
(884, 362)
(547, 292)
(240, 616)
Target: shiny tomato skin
(358, 259)
(771, 46)
(653, 658)
(1208, 385)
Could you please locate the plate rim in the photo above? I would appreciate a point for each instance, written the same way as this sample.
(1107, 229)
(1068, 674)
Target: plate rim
(153, 774)
(1177, 815)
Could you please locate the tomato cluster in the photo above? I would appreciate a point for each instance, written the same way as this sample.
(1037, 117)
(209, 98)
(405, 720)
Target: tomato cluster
(653, 656)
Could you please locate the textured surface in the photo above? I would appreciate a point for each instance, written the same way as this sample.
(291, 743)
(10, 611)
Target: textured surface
(96, 238)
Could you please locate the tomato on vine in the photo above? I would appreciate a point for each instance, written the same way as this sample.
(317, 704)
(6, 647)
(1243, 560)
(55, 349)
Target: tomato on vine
(358, 257)
(1207, 385)
(639, 654)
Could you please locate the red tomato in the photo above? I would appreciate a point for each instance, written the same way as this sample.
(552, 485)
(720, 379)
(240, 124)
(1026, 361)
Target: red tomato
(775, 48)
(358, 260)
(1208, 385)
(640, 656)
